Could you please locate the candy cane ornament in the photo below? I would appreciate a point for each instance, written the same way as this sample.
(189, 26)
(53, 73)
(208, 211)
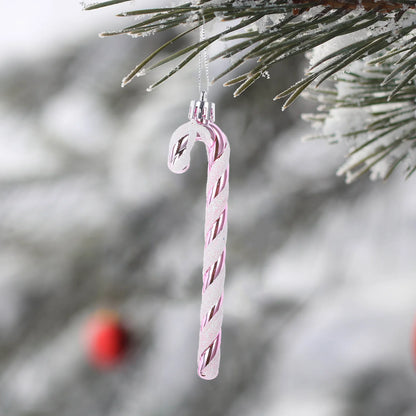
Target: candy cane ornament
(202, 127)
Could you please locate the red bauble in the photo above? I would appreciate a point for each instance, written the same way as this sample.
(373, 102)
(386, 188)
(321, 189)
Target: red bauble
(106, 339)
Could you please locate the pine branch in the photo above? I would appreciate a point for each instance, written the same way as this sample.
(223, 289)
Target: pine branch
(382, 6)
(382, 133)
(274, 31)
(365, 48)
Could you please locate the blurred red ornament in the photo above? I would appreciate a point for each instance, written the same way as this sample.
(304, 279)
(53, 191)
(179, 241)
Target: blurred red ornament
(106, 339)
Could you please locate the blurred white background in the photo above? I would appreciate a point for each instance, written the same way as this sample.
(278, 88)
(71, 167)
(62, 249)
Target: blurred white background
(321, 289)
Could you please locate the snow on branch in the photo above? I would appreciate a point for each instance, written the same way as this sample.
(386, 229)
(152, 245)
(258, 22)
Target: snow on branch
(377, 35)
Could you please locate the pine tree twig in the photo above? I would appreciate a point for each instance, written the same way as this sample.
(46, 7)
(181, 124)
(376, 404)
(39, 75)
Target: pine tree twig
(388, 136)
(289, 36)
(368, 72)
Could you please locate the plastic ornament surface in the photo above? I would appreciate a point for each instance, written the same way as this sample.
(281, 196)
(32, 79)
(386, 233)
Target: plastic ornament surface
(105, 339)
(201, 127)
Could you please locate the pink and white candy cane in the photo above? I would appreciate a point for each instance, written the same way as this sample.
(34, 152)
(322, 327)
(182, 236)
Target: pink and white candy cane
(201, 127)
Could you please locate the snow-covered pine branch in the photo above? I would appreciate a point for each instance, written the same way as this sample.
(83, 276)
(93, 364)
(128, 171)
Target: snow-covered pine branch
(338, 36)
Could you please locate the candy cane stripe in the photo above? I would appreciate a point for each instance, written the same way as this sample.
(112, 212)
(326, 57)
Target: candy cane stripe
(215, 230)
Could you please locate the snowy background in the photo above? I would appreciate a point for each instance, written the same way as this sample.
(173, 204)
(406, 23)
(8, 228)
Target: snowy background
(321, 288)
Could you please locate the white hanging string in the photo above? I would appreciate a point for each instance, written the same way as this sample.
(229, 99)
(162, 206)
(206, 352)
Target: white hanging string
(203, 61)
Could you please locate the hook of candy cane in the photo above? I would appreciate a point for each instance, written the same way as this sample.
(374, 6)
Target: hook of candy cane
(202, 127)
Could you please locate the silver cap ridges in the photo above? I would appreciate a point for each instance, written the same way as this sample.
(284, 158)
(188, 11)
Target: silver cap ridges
(202, 111)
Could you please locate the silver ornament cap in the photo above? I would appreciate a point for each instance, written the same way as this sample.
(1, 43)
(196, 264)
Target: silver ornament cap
(202, 110)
